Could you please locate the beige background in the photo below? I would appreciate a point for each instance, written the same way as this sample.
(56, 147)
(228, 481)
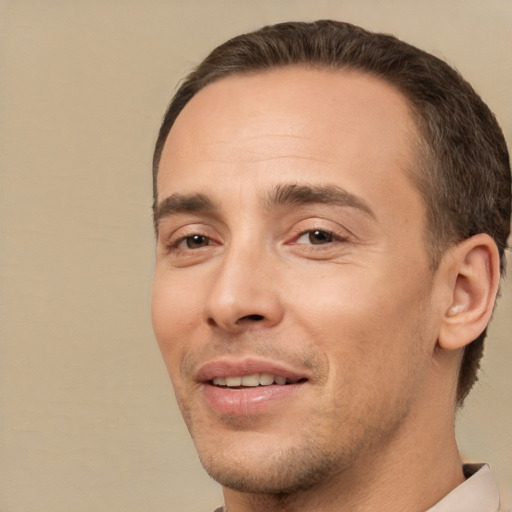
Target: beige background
(87, 418)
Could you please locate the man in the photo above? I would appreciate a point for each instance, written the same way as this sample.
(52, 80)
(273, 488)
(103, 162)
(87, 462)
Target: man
(332, 208)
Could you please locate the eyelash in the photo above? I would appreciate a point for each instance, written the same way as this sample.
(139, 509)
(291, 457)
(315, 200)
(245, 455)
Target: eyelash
(174, 245)
(178, 247)
(330, 236)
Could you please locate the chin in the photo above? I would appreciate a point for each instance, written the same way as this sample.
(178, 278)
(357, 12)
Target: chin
(286, 471)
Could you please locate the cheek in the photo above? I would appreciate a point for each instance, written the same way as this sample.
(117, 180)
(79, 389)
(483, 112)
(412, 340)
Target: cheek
(362, 319)
(346, 302)
(174, 314)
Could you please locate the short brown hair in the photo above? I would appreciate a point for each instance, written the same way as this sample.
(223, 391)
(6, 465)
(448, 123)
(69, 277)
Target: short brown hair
(464, 169)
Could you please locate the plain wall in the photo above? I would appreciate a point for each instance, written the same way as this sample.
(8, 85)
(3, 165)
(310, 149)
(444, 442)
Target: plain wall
(87, 415)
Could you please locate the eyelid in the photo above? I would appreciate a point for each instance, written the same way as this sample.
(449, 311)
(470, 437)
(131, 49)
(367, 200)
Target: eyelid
(177, 236)
(332, 234)
(177, 243)
(338, 232)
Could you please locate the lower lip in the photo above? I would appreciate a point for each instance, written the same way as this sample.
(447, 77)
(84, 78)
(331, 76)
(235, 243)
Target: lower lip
(246, 401)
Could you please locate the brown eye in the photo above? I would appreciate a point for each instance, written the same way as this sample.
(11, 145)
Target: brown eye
(320, 237)
(316, 237)
(196, 241)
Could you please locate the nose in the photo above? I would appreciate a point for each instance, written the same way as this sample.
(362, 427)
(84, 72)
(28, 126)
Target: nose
(244, 294)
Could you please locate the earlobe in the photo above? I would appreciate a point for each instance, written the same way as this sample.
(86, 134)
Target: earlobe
(473, 273)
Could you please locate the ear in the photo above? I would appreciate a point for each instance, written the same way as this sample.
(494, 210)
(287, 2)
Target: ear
(472, 272)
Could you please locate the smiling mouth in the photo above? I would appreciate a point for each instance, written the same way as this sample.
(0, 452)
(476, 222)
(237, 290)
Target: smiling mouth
(244, 390)
(252, 381)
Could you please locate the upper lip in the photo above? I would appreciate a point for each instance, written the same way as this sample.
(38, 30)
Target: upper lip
(225, 367)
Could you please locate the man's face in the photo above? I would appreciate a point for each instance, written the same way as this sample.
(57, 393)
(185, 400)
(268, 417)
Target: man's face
(292, 296)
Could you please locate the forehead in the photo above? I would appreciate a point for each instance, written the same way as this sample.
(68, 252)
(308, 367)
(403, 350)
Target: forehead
(316, 118)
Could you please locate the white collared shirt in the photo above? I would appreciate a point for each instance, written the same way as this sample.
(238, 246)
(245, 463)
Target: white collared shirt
(476, 494)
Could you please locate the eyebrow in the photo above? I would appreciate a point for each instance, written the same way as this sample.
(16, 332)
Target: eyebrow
(281, 195)
(179, 203)
(296, 195)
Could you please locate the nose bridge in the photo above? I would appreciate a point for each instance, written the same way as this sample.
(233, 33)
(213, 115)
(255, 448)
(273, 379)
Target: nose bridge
(243, 292)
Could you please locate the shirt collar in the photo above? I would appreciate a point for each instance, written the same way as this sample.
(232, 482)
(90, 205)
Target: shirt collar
(477, 494)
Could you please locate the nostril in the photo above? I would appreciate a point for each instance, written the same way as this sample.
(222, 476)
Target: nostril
(244, 320)
(254, 318)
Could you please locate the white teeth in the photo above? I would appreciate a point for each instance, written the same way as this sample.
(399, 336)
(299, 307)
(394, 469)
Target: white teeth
(251, 380)
(266, 379)
(263, 379)
(233, 382)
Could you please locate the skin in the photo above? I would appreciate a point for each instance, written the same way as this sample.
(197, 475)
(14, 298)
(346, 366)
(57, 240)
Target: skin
(339, 292)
